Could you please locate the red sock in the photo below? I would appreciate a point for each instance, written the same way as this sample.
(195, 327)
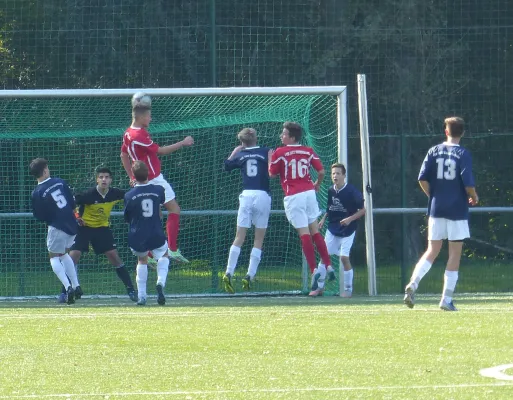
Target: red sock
(172, 227)
(308, 249)
(322, 249)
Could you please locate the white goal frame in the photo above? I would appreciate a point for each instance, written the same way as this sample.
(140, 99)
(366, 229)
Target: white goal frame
(340, 92)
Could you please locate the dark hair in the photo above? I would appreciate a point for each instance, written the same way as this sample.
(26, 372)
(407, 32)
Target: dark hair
(339, 165)
(37, 167)
(103, 170)
(140, 170)
(295, 130)
(455, 126)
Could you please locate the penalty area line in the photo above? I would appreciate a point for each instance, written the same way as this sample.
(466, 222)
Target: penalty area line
(237, 391)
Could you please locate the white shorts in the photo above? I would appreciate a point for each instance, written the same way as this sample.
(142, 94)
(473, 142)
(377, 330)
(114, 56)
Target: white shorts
(337, 245)
(157, 253)
(168, 190)
(442, 228)
(301, 209)
(58, 241)
(254, 208)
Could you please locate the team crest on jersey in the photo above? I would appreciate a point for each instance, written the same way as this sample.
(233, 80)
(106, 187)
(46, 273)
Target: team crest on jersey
(337, 205)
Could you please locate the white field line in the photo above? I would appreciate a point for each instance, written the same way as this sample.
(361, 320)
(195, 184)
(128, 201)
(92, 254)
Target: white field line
(235, 313)
(256, 391)
(497, 372)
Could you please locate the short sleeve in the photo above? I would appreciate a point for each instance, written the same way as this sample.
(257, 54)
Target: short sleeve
(424, 169)
(466, 170)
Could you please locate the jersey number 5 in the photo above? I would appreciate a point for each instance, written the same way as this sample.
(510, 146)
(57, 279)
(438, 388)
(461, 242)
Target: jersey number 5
(59, 198)
(147, 207)
(299, 168)
(446, 168)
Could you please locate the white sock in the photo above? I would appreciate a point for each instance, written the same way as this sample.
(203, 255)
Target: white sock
(254, 261)
(232, 259)
(69, 267)
(450, 279)
(348, 280)
(330, 268)
(58, 270)
(321, 268)
(162, 270)
(140, 279)
(421, 269)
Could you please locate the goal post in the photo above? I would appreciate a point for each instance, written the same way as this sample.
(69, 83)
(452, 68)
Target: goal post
(80, 130)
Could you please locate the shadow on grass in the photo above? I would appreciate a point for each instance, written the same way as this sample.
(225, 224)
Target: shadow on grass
(240, 301)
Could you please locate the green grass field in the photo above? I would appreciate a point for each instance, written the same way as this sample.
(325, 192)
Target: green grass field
(256, 348)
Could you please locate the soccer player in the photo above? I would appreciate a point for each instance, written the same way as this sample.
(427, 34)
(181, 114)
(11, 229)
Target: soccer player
(53, 203)
(94, 208)
(446, 178)
(137, 145)
(142, 212)
(292, 163)
(345, 207)
(254, 203)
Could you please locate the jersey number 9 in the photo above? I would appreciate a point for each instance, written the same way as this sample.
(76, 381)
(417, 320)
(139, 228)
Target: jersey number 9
(147, 208)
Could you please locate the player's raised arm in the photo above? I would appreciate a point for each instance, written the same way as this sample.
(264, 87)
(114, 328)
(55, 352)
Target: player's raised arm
(164, 150)
(232, 162)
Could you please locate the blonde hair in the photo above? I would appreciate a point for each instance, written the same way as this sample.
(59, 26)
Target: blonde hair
(248, 136)
(139, 111)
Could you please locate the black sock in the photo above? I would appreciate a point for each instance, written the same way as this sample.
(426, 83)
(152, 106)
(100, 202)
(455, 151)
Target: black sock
(123, 274)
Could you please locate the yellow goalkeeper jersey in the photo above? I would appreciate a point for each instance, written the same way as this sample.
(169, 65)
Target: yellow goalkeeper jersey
(95, 208)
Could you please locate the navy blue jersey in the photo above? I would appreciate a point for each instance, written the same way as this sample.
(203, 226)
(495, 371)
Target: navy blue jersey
(53, 203)
(448, 170)
(142, 212)
(343, 203)
(253, 164)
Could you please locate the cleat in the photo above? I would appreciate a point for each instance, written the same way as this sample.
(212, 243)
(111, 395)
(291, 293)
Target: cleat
(409, 296)
(315, 280)
(447, 306)
(78, 293)
(316, 293)
(71, 295)
(141, 301)
(347, 294)
(161, 299)
(246, 282)
(331, 274)
(63, 298)
(227, 280)
(177, 256)
(132, 294)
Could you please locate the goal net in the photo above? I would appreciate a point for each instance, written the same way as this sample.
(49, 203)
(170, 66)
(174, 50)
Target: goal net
(78, 131)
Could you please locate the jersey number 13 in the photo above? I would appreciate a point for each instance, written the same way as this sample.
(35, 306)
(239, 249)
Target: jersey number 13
(446, 168)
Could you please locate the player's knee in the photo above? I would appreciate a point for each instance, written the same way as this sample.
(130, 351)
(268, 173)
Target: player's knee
(173, 207)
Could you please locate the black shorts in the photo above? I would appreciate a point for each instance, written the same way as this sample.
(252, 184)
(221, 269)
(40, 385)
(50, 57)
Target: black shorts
(101, 239)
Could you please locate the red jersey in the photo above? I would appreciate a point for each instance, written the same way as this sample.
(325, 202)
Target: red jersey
(139, 146)
(292, 163)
